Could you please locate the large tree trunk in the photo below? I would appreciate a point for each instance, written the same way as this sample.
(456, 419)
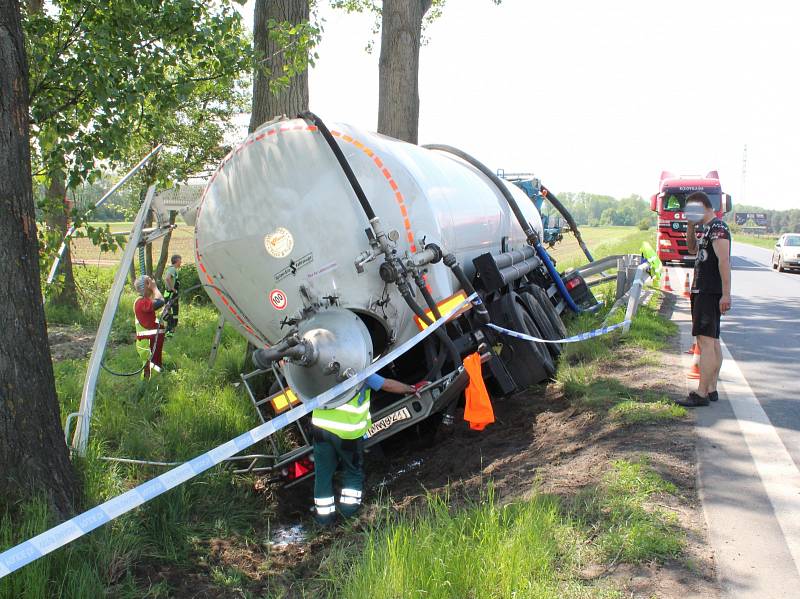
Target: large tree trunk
(289, 100)
(162, 258)
(33, 455)
(56, 217)
(398, 79)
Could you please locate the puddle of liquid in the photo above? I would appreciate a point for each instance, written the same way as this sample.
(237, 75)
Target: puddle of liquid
(288, 535)
(390, 478)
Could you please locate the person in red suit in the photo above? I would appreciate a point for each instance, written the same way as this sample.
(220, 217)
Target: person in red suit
(149, 332)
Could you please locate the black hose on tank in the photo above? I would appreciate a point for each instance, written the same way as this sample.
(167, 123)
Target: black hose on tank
(312, 118)
(405, 291)
(480, 308)
(551, 197)
(531, 235)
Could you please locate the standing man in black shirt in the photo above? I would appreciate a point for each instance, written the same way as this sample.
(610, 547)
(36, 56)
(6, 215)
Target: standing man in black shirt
(711, 291)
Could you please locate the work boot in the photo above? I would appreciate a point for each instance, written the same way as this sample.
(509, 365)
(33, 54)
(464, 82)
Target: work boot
(693, 401)
(713, 396)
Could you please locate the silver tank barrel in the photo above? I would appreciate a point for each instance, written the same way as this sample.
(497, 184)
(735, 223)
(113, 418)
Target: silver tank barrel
(279, 231)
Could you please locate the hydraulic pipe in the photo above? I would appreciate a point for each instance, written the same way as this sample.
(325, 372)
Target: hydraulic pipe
(551, 197)
(405, 291)
(480, 309)
(288, 348)
(557, 278)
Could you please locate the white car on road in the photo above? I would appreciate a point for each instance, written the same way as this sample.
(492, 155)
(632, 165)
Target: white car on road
(786, 254)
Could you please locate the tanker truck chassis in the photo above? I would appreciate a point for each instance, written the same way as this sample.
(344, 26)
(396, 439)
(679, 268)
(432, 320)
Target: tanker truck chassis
(326, 247)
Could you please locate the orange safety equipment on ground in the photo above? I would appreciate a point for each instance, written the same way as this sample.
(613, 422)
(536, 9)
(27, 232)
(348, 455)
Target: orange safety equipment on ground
(478, 409)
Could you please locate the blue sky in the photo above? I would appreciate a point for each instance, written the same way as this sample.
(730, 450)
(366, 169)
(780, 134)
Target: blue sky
(594, 96)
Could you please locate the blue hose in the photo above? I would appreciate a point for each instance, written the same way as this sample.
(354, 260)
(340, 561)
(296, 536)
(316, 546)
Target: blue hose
(559, 283)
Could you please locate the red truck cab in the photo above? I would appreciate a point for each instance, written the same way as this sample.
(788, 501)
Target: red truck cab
(669, 204)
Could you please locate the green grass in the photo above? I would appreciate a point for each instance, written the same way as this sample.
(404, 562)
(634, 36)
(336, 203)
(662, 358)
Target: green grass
(532, 548)
(757, 240)
(180, 413)
(601, 241)
(621, 518)
(637, 412)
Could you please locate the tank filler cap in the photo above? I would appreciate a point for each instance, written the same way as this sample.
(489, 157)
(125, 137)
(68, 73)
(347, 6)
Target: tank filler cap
(338, 337)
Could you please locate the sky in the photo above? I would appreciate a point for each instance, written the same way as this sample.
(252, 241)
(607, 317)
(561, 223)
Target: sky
(594, 96)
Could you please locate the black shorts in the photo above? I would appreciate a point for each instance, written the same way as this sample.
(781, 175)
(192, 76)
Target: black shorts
(705, 314)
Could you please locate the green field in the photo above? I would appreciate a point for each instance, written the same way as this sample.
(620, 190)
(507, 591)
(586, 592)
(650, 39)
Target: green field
(601, 241)
(83, 250)
(757, 240)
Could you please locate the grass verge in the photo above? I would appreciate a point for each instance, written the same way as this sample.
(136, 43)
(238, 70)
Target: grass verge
(762, 242)
(534, 548)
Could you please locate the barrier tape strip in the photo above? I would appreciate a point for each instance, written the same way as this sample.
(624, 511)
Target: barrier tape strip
(573, 339)
(66, 532)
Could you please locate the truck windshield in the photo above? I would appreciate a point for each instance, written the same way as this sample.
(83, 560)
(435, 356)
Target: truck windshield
(675, 201)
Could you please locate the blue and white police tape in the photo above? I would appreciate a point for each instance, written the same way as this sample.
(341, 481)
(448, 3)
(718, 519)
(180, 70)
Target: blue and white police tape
(573, 339)
(66, 532)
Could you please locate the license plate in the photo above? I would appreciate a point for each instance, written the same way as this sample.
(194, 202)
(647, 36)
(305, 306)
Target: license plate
(387, 421)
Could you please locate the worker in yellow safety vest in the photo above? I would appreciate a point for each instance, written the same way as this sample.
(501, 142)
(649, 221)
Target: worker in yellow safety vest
(339, 441)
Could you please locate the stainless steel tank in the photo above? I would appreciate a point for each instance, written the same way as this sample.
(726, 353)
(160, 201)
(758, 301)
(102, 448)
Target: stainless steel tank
(278, 232)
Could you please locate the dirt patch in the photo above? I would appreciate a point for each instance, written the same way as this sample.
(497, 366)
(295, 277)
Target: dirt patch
(541, 442)
(69, 342)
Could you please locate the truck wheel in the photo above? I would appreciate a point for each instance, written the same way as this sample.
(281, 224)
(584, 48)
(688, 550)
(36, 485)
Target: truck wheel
(543, 323)
(544, 301)
(529, 363)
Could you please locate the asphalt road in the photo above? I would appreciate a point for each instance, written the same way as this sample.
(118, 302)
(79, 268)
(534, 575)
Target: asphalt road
(762, 332)
(749, 442)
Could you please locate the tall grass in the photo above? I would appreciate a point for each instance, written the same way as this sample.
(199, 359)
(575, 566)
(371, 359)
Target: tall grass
(187, 409)
(531, 548)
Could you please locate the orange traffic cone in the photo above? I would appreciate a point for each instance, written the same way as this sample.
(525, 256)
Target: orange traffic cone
(693, 349)
(686, 290)
(694, 371)
(666, 286)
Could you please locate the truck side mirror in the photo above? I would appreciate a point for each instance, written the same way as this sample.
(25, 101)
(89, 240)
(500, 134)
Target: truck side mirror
(728, 203)
(653, 202)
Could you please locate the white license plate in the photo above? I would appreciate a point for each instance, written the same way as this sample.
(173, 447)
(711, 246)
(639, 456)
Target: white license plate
(388, 421)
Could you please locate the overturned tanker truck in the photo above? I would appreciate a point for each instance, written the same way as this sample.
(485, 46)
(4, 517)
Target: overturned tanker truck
(326, 248)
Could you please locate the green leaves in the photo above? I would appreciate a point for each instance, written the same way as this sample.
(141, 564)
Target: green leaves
(106, 75)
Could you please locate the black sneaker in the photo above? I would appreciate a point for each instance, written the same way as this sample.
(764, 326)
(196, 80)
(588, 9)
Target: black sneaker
(693, 401)
(713, 396)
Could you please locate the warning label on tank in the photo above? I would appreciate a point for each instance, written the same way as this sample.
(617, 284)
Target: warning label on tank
(278, 299)
(280, 243)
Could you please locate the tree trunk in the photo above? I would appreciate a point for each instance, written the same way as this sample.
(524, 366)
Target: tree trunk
(33, 455)
(162, 259)
(292, 99)
(65, 293)
(398, 77)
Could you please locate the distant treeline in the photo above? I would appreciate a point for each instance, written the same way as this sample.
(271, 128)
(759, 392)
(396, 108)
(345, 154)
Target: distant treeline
(778, 221)
(594, 210)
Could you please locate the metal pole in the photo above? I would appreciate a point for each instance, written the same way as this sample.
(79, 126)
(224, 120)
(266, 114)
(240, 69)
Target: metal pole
(108, 194)
(81, 437)
(217, 338)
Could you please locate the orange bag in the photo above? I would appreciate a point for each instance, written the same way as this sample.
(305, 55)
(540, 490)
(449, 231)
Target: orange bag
(478, 409)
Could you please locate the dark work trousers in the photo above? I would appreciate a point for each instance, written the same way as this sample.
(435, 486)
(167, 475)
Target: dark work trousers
(171, 318)
(331, 453)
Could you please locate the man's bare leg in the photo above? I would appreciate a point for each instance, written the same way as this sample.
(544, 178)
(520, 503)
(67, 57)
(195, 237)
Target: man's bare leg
(712, 385)
(709, 365)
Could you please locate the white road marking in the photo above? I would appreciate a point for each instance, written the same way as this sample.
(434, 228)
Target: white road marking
(778, 472)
